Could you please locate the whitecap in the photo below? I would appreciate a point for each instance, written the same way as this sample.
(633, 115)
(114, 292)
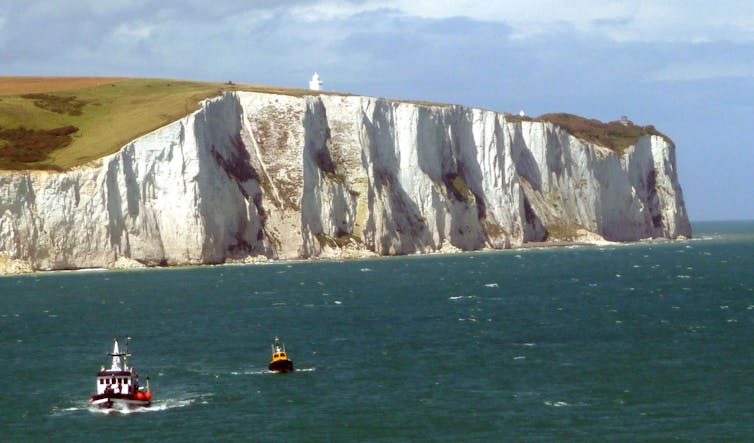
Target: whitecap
(519, 357)
(556, 404)
(491, 285)
(365, 269)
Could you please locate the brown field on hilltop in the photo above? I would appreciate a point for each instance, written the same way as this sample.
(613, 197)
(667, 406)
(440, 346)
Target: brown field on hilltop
(30, 85)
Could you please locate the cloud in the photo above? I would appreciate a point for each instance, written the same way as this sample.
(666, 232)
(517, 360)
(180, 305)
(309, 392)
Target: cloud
(138, 31)
(378, 41)
(330, 10)
(616, 20)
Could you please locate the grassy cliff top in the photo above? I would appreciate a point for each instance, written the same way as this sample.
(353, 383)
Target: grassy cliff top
(61, 122)
(58, 123)
(615, 135)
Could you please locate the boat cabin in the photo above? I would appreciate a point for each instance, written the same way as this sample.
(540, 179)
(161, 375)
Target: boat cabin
(117, 382)
(278, 351)
(279, 355)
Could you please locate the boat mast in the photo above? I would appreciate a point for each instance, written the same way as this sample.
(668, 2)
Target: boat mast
(120, 359)
(115, 366)
(126, 355)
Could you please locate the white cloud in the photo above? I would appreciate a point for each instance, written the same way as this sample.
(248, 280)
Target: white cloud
(331, 10)
(135, 31)
(618, 20)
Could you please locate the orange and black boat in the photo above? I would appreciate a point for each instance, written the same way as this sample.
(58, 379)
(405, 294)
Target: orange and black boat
(280, 362)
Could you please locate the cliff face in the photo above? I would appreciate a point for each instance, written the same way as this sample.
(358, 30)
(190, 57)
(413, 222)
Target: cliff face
(262, 175)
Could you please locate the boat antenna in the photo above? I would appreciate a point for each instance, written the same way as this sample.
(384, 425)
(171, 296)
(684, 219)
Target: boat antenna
(126, 355)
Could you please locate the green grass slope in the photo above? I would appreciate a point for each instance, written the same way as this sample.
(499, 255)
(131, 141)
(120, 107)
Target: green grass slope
(64, 128)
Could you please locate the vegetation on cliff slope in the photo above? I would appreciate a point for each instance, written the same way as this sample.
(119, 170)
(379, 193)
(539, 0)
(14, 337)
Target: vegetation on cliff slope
(615, 135)
(59, 123)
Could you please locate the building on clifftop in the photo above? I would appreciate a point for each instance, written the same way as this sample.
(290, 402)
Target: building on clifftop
(315, 84)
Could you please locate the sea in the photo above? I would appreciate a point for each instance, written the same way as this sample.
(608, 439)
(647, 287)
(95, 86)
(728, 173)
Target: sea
(629, 342)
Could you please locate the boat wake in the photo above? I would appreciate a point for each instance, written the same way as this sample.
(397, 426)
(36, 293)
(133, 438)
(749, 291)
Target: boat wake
(563, 404)
(82, 406)
(157, 406)
(266, 371)
(253, 372)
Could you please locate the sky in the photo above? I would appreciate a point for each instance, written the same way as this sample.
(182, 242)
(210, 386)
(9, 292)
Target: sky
(686, 67)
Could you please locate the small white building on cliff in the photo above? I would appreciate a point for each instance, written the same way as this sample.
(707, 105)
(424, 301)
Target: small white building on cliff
(315, 84)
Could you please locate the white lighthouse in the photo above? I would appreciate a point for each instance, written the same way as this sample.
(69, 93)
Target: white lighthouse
(315, 84)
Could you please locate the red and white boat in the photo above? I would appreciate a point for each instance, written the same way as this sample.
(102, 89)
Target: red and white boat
(118, 387)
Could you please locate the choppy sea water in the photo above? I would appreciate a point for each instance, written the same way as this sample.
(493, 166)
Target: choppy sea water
(628, 342)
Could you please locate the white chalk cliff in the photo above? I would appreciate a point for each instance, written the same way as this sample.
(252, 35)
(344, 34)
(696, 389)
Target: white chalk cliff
(284, 177)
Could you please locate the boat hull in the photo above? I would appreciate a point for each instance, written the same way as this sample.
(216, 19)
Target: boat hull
(281, 366)
(118, 401)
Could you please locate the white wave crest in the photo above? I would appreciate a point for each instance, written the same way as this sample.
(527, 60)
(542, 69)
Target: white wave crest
(556, 404)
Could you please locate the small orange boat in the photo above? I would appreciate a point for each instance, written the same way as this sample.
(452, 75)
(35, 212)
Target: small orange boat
(280, 362)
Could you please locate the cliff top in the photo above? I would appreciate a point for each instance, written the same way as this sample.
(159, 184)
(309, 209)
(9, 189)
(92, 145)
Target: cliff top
(58, 123)
(61, 122)
(615, 135)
